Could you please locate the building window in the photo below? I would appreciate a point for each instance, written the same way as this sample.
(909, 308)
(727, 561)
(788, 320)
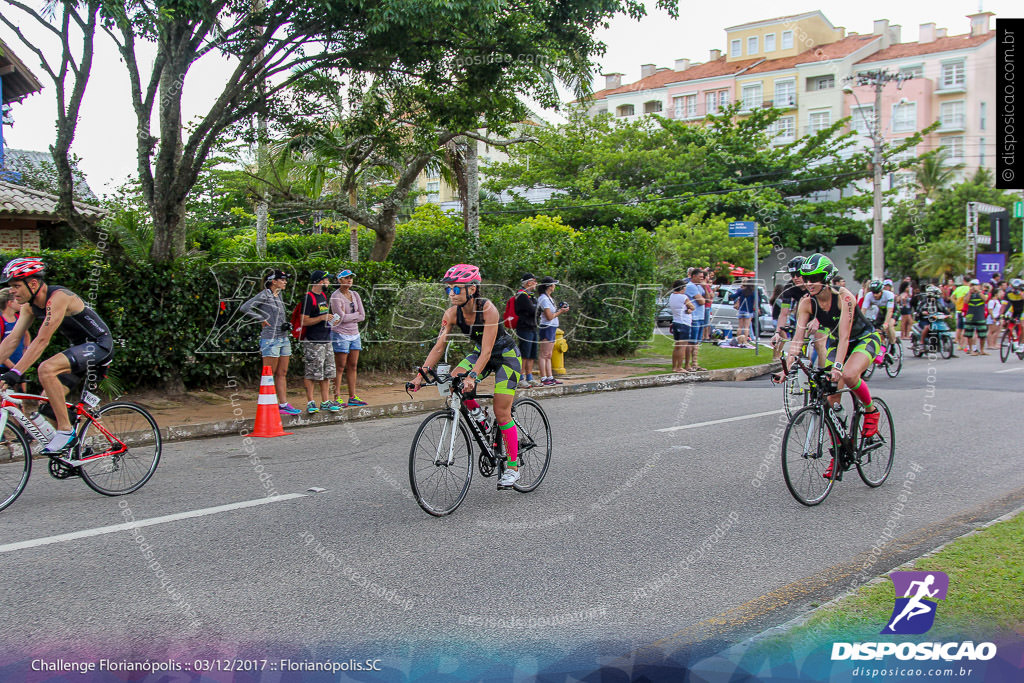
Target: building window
(685, 106)
(769, 42)
(783, 130)
(954, 75)
(787, 40)
(952, 115)
(982, 114)
(785, 93)
(904, 117)
(735, 48)
(819, 120)
(821, 82)
(624, 110)
(752, 45)
(862, 119)
(751, 96)
(434, 186)
(955, 146)
(903, 157)
(915, 71)
(652, 107)
(981, 151)
(711, 102)
(723, 99)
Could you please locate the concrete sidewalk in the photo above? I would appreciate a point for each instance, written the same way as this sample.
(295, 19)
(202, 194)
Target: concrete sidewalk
(237, 414)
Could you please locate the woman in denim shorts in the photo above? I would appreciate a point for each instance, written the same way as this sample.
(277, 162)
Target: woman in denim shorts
(268, 309)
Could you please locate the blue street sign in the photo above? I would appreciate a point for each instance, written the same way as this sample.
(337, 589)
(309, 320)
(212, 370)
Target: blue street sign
(743, 229)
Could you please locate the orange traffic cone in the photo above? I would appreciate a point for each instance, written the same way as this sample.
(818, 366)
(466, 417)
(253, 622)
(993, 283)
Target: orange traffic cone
(268, 417)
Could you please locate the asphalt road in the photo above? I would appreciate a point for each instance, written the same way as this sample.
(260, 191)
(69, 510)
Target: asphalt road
(640, 545)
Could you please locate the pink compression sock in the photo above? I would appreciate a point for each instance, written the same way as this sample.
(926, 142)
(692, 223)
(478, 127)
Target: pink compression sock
(511, 437)
(862, 393)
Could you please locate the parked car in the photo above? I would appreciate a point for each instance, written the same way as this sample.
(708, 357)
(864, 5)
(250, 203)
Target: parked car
(724, 316)
(664, 316)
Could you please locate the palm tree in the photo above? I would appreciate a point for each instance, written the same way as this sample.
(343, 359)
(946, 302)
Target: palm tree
(935, 174)
(941, 259)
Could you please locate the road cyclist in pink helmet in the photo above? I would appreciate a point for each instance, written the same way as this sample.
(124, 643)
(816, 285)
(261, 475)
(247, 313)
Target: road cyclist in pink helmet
(494, 349)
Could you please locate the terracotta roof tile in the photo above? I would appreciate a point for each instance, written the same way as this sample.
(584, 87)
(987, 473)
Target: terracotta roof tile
(818, 53)
(946, 44)
(719, 67)
(17, 200)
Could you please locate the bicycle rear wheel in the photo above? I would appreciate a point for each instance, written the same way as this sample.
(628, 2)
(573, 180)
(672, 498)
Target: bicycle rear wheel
(15, 464)
(440, 482)
(534, 433)
(946, 347)
(893, 367)
(806, 451)
(1005, 346)
(131, 437)
(875, 454)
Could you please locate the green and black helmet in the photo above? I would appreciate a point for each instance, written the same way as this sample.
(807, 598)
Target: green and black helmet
(875, 286)
(819, 268)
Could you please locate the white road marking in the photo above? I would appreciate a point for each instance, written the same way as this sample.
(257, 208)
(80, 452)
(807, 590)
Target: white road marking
(114, 528)
(718, 422)
(999, 372)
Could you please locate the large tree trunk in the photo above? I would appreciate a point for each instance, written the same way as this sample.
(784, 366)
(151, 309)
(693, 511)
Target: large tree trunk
(353, 227)
(385, 238)
(471, 201)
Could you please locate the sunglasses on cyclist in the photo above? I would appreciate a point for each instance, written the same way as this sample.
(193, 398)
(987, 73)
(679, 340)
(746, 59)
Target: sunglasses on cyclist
(457, 289)
(814, 278)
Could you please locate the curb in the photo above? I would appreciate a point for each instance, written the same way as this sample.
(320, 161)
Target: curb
(236, 426)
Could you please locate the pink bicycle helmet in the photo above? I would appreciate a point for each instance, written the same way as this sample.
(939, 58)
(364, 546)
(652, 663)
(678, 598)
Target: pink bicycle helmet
(462, 274)
(21, 268)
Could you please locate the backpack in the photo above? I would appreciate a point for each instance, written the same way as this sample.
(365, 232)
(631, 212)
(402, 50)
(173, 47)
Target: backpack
(511, 319)
(298, 331)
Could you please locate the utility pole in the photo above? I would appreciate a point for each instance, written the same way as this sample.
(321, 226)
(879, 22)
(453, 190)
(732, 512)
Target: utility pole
(877, 79)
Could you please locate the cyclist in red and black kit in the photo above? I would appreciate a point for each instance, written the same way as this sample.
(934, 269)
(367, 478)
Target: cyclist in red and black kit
(59, 309)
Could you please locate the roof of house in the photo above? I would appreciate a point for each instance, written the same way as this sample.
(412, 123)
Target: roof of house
(791, 17)
(23, 202)
(15, 158)
(818, 53)
(718, 67)
(20, 82)
(901, 50)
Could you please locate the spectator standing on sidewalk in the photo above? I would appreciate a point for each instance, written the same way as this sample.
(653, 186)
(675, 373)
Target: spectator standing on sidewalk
(682, 320)
(268, 309)
(316, 347)
(526, 328)
(993, 308)
(709, 297)
(548, 326)
(347, 306)
(698, 294)
(957, 299)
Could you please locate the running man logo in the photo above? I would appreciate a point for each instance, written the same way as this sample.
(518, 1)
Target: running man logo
(916, 593)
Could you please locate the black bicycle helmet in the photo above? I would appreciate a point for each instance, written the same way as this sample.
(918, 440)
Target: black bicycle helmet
(794, 264)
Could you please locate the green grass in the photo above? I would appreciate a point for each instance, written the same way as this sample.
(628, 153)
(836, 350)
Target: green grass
(712, 357)
(986, 572)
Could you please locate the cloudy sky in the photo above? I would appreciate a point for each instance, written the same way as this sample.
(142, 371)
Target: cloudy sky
(106, 145)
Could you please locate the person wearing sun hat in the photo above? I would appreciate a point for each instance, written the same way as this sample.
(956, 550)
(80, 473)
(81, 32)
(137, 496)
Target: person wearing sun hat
(347, 305)
(268, 309)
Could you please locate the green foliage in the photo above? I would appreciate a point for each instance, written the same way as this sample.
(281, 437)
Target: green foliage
(699, 240)
(943, 259)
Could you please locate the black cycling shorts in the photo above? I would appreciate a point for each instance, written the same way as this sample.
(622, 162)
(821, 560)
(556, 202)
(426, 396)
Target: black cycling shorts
(87, 361)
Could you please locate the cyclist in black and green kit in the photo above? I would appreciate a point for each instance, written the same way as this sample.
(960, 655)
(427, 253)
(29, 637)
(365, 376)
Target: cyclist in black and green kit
(494, 350)
(853, 342)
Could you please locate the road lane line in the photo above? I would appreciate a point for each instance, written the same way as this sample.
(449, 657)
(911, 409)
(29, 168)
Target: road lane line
(999, 372)
(718, 422)
(114, 528)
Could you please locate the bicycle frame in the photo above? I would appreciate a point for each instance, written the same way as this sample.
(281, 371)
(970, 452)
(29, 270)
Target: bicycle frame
(10, 407)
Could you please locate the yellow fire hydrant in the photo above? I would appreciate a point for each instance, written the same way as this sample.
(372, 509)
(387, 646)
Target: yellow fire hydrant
(558, 353)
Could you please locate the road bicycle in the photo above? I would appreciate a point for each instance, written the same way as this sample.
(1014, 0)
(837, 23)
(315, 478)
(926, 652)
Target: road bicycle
(1011, 341)
(891, 359)
(115, 451)
(818, 436)
(441, 460)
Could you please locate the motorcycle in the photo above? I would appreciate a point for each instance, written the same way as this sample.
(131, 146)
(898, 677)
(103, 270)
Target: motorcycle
(939, 340)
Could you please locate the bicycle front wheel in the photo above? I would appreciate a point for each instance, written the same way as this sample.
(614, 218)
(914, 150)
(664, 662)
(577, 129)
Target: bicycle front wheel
(808, 446)
(893, 367)
(15, 464)
(440, 464)
(121, 447)
(534, 433)
(946, 347)
(795, 393)
(875, 454)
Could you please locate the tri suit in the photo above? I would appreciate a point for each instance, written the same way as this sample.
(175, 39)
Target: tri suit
(92, 345)
(504, 361)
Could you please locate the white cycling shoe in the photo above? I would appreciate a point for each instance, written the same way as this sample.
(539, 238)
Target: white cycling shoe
(59, 442)
(508, 478)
